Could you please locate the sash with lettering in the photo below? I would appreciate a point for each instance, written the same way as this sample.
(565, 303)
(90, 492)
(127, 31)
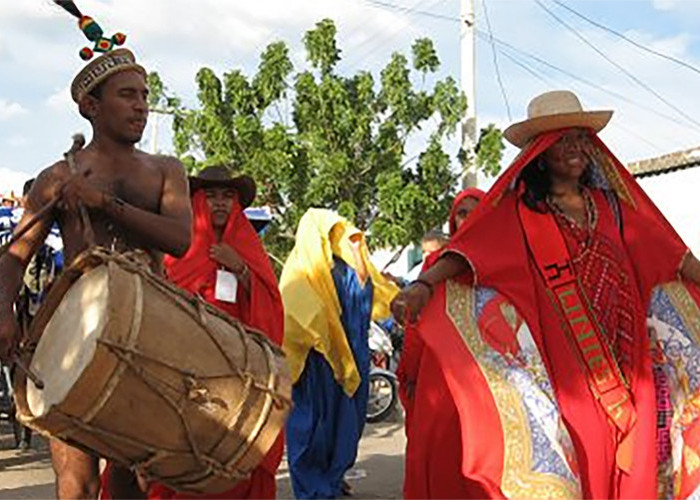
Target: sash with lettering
(554, 263)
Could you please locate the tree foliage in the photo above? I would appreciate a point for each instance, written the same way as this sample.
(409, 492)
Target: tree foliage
(317, 138)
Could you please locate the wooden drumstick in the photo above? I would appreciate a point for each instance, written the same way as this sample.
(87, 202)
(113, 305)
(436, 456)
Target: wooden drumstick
(32, 222)
(88, 233)
(29, 373)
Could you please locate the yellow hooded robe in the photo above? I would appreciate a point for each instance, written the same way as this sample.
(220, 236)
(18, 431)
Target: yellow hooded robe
(311, 307)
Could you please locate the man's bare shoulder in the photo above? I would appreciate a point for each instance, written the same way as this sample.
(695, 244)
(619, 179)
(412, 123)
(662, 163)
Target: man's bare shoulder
(165, 162)
(49, 181)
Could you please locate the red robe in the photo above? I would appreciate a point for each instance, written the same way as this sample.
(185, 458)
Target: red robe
(432, 467)
(260, 308)
(648, 253)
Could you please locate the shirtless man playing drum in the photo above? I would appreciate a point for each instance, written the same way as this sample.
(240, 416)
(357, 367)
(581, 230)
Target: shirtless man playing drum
(135, 201)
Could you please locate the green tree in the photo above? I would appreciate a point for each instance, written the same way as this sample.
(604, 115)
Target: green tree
(316, 138)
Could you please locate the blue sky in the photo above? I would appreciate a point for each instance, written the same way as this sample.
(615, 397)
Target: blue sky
(39, 45)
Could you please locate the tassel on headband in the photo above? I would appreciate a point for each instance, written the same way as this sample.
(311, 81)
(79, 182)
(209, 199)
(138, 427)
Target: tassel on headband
(92, 31)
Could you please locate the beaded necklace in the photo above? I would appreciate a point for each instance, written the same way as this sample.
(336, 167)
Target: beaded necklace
(584, 234)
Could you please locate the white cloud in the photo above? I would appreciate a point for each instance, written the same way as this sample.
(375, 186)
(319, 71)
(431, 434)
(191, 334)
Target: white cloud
(10, 109)
(177, 37)
(12, 180)
(60, 100)
(665, 4)
(17, 141)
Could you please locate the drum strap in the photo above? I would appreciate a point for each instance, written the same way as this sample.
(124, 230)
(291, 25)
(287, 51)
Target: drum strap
(605, 379)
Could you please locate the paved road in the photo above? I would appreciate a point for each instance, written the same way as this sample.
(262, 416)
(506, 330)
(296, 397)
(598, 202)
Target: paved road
(377, 474)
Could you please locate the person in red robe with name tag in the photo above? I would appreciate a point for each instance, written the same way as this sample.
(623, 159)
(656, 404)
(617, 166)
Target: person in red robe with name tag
(228, 266)
(564, 316)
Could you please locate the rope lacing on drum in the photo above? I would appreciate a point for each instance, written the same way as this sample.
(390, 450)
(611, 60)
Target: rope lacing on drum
(196, 392)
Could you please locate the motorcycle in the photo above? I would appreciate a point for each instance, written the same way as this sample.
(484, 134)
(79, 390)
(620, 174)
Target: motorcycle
(7, 404)
(383, 384)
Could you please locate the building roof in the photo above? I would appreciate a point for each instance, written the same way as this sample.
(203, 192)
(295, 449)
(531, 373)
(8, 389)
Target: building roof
(679, 160)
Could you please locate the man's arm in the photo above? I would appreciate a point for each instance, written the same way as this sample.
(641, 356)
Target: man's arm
(14, 262)
(168, 231)
(690, 268)
(171, 230)
(412, 299)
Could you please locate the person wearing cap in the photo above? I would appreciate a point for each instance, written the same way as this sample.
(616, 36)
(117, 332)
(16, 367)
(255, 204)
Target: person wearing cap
(134, 200)
(561, 389)
(226, 249)
(330, 291)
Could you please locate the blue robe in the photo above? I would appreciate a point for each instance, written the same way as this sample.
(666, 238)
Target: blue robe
(325, 426)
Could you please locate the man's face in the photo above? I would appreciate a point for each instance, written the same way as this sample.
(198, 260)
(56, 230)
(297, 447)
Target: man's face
(431, 246)
(7, 203)
(220, 200)
(464, 209)
(121, 110)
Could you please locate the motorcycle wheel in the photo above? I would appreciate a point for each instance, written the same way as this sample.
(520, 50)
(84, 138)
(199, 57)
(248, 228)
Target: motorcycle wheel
(382, 397)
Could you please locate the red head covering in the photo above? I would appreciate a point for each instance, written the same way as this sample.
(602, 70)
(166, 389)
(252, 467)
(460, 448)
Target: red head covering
(196, 271)
(470, 192)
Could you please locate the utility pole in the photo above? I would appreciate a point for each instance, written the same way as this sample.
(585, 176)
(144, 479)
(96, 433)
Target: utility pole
(154, 132)
(468, 81)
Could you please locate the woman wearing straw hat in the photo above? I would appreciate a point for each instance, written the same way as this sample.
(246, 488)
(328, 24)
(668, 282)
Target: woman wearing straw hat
(558, 382)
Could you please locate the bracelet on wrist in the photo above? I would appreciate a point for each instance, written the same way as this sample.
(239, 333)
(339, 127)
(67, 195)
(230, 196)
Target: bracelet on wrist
(111, 203)
(429, 286)
(242, 271)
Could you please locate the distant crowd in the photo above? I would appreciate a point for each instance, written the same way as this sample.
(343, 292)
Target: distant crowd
(10, 200)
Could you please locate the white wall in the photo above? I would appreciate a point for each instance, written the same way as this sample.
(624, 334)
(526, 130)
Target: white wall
(677, 194)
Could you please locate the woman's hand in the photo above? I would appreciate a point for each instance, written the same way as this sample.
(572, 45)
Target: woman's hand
(408, 304)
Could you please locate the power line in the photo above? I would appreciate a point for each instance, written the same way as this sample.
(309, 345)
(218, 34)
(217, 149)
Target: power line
(579, 78)
(548, 83)
(488, 38)
(356, 60)
(627, 39)
(495, 60)
(618, 66)
(411, 10)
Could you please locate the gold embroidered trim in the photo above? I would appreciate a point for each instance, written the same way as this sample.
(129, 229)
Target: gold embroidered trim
(519, 480)
(612, 174)
(686, 306)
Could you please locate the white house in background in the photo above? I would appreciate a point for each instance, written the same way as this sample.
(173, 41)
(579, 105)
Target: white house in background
(673, 183)
(407, 265)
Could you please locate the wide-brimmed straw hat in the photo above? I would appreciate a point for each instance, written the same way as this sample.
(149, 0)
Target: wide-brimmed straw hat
(221, 176)
(552, 111)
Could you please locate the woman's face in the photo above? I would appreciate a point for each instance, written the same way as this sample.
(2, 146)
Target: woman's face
(566, 159)
(220, 200)
(464, 209)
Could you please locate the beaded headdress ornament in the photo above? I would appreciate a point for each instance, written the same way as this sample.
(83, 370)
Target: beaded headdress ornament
(110, 62)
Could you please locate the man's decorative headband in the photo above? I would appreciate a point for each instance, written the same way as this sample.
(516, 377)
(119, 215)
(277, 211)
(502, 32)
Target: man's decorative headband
(110, 62)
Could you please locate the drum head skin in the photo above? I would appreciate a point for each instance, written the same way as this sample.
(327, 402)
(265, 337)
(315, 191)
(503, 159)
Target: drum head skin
(69, 340)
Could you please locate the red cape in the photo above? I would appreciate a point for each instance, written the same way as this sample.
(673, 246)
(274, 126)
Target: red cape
(492, 241)
(433, 462)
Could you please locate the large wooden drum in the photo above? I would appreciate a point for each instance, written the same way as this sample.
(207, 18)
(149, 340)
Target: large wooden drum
(139, 372)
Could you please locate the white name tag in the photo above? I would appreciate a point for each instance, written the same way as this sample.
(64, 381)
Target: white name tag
(226, 286)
